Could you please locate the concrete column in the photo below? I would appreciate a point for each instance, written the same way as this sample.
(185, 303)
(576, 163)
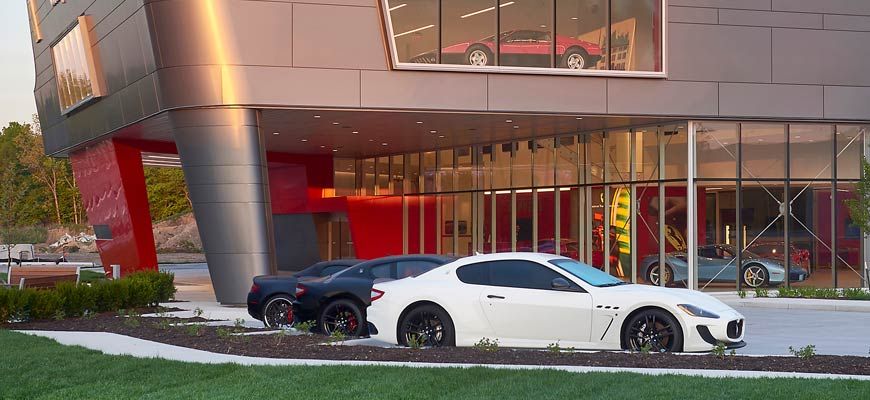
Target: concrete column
(224, 163)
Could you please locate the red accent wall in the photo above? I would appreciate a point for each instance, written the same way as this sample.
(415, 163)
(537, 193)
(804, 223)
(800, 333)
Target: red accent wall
(375, 225)
(112, 184)
(296, 183)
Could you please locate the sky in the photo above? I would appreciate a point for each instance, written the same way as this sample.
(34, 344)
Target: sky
(17, 74)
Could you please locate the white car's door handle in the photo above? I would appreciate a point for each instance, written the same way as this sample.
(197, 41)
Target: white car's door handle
(492, 296)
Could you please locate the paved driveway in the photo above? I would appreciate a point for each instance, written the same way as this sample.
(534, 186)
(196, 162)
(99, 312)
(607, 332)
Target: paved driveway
(771, 331)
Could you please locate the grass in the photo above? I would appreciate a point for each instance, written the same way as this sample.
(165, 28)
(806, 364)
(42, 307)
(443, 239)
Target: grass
(32, 367)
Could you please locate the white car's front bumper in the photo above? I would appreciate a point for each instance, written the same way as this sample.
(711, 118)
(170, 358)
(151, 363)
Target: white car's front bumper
(703, 334)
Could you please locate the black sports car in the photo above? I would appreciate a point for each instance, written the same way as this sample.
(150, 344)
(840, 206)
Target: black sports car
(271, 297)
(338, 302)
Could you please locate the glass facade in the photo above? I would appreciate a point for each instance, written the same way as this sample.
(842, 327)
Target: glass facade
(74, 67)
(629, 201)
(616, 35)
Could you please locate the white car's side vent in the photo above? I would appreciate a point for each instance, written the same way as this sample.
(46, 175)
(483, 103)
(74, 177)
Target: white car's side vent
(607, 307)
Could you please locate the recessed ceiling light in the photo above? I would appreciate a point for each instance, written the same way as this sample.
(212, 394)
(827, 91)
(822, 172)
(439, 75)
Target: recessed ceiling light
(371, 140)
(355, 132)
(543, 26)
(797, 137)
(508, 121)
(304, 140)
(433, 131)
(335, 123)
(578, 118)
(441, 136)
(316, 116)
(383, 144)
(276, 133)
(838, 133)
(516, 127)
(335, 150)
(419, 122)
(760, 140)
(574, 18)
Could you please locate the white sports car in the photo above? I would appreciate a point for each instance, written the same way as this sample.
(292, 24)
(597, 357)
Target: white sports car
(532, 300)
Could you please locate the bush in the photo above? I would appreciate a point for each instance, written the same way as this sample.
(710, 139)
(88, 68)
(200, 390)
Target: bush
(141, 289)
(24, 235)
(856, 294)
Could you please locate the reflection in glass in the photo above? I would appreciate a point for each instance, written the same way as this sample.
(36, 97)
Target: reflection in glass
(763, 151)
(647, 157)
(544, 162)
(412, 173)
(717, 150)
(521, 164)
(849, 240)
(581, 34)
(368, 181)
(810, 151)
(850, 142)
(526, 33)
(468, 32)
(501, 165)
(382, 170)
(72, 70)
(568, 161)
(675, 140)
(344, 176)
(464, 224)
(547, 221)
(647, 233)
(572, 210)
(447, 223)
(635, 43)
(809, 234)
(618, 162)
(464, 169)
(415, 30)
(595, 157)
(445, 171)
(429, 171)
(620, 226)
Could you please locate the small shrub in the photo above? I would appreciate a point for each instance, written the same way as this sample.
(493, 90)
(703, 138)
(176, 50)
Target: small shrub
(337, 336)
(223, 333)
(132, 322)
(305, 327)
(719, 350)
(804, 353)
(787, 293)
(741, 293)
(761, 292)
(59, 315)
(554, 348)
(487, 345)
(856, 294)
(194, 329)
(827, 293)
(197, 312)
(646, 348)
(416, 342)
(163, 324)
(239, 324)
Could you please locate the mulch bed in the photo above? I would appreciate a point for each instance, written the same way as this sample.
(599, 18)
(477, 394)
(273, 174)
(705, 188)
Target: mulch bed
(216, 339)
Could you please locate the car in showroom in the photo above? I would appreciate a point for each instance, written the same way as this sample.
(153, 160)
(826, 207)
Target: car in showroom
(718, 263)
(533, 300)
(338, 303)
(774, 251)
(520, 48)
(271, 297)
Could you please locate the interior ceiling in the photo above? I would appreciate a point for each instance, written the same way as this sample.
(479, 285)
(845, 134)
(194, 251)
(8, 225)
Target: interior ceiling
(366, 133)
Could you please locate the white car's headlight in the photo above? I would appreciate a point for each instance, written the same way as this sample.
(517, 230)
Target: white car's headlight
(696, 311)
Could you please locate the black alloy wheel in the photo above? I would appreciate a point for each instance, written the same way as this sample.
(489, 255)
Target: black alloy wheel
(278, 312)
(426, 326)
(343, 316)
(653, 330)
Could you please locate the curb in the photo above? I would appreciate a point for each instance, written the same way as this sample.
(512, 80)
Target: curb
(114, 344)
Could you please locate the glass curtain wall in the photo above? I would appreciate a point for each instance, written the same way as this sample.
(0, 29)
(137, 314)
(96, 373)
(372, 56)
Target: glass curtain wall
(770, 201)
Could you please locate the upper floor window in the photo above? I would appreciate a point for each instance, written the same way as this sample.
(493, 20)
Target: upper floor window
(547, 36)
(75, 68)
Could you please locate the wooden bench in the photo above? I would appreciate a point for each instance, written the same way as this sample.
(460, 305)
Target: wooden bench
(41, 277)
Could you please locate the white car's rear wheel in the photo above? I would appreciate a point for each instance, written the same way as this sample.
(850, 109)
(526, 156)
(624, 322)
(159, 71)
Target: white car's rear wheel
(653, 330)
(427, 326)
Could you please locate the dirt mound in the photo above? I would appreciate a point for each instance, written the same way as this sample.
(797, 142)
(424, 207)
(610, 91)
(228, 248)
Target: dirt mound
(177, 235)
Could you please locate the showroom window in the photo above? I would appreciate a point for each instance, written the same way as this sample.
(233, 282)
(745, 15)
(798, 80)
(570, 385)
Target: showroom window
(550, 36)
(75, 68)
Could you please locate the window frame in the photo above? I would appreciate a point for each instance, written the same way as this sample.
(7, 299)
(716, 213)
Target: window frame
(84, 24)
(488, 264)
(395, 64)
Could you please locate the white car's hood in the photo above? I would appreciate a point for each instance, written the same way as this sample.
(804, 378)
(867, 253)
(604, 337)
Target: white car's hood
(671, 295)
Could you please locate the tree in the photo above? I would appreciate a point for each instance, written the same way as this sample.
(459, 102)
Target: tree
(48, 171)
(167, 192)
(859, 207)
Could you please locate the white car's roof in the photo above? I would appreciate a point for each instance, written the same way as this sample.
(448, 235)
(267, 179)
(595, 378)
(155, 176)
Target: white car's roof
(539, 257)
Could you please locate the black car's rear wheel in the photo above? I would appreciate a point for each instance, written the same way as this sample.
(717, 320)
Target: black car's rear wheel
(278, 312)
(653, 330)
(342, 316)
(427, 326)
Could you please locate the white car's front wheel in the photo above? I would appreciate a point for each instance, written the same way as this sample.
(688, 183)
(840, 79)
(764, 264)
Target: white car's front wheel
(426, 326)
(653, 330)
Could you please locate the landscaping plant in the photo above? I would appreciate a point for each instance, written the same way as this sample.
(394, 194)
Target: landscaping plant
(761, 292)
(804, 353)
(487, 345)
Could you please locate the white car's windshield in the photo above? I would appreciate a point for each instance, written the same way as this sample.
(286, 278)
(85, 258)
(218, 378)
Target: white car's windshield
(590, 275)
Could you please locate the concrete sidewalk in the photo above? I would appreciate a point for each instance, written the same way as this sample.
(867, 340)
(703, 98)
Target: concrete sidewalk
(110, 343)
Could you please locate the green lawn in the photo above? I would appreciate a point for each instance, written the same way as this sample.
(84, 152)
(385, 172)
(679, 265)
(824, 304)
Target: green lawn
(32, 367)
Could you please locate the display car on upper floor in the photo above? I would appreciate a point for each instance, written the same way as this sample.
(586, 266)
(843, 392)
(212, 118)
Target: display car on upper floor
(519, 48)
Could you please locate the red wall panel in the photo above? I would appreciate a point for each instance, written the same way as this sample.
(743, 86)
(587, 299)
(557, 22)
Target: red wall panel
(112, 184)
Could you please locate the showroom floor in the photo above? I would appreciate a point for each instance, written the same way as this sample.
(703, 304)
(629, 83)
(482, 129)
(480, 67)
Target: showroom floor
(769, 331)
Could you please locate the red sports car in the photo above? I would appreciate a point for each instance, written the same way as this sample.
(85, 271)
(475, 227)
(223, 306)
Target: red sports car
(520, 48)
